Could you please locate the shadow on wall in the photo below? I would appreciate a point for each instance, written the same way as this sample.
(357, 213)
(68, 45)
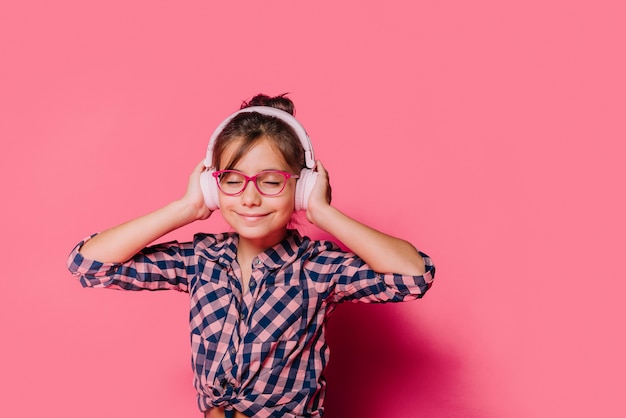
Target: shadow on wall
(380, 368)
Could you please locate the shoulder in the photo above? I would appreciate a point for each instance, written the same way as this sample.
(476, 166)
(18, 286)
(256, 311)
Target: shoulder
(212, 246)
(322, 251)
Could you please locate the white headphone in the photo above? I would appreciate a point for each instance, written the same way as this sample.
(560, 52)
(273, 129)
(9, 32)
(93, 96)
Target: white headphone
(305, 182)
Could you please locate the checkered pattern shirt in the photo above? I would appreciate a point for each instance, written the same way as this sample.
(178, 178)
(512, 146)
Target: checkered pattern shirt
(263, 352)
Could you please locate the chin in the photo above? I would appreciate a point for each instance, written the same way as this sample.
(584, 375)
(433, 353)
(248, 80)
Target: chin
(263, 237)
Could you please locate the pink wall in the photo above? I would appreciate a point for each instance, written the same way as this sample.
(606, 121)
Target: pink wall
(501, 125)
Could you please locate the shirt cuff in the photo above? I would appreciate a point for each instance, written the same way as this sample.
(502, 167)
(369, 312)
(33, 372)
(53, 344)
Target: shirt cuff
(408, 283)
(91, 273)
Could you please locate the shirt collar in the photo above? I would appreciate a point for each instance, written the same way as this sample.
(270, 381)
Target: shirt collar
(222, 248)
(283, 253)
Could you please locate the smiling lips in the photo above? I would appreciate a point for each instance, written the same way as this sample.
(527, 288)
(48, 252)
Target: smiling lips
(252, 216)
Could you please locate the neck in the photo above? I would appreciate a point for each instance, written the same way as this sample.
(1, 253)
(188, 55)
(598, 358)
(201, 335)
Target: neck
(249, 248)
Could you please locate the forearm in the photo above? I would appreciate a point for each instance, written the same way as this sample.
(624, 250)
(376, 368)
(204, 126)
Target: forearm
(384, 253)
(120, 243)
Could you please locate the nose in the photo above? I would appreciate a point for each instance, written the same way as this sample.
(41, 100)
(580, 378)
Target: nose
(250, 195)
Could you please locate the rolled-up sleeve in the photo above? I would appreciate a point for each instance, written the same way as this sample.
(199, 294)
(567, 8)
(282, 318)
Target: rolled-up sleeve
(159, 267)
(356, 281)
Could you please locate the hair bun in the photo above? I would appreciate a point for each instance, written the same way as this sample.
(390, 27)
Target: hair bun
(280, 102)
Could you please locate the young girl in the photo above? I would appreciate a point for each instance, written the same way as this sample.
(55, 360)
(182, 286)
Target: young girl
(260, 295)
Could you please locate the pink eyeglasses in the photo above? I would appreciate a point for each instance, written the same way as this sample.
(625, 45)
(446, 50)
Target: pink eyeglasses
(268, 183)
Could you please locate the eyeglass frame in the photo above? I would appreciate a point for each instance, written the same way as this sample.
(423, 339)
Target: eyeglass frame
(286, 174)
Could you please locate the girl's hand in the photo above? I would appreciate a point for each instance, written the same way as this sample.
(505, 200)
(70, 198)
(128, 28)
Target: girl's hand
(320, 195)
(193, 198)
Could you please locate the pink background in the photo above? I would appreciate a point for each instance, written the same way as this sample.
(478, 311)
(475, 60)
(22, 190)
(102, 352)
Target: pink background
(489, 133)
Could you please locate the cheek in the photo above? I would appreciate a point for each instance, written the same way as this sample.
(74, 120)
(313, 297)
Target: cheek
(286, 204)
(227, 202)
(290, 198)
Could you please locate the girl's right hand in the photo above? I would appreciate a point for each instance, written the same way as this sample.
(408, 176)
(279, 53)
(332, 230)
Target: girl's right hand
(193, 198)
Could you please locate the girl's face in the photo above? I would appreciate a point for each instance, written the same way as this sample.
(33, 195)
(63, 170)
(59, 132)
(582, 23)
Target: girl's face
(259, 220)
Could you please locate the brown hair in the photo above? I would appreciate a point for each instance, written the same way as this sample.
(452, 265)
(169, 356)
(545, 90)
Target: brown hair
(251, 127)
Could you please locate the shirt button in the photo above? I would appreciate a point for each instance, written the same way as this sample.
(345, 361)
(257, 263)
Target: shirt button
(257, 262)
(252, 284)
(232, 350)
(242, 316)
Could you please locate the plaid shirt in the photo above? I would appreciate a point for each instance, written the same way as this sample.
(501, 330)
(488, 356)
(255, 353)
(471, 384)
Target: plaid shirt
(262, 353)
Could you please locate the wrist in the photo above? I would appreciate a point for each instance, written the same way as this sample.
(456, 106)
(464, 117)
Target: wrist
(186, 212)
(321, 216)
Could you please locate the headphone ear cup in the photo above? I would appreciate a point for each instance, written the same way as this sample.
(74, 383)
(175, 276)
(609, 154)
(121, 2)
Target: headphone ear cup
(304, 187)
(209, 190)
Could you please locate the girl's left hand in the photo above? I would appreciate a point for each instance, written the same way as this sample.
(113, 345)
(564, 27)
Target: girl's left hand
(321, 194)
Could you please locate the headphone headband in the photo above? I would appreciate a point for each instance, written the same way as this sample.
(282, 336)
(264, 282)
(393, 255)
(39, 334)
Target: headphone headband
(304, 184)
(286, 117)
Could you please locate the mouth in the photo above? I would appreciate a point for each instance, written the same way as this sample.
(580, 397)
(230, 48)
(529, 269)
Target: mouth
(252, 217)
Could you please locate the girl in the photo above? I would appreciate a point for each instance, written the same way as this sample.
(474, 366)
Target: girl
(260, 294)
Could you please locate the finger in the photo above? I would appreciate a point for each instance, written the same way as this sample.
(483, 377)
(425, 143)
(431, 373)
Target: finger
(200, 168)
(320, 168)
